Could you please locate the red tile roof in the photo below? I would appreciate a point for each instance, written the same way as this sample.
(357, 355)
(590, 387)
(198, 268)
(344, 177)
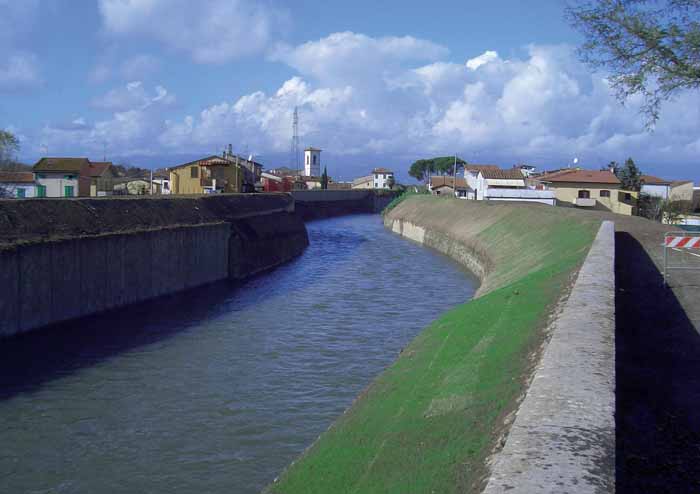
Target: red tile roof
(16, 177)
(652, 180)
(96, 168)
(381, 170)
(477, 168)
(440, 181)
(499, 174)
(581, 176)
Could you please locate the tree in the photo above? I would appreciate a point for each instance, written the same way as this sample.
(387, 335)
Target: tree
(324, 179)
(650, 47)
(613, 166)
(422, 169)
(9, 145)
(630, 176)
(391, 182)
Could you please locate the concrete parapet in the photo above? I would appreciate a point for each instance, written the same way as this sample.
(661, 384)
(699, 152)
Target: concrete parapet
(563, 438)
(316, 204)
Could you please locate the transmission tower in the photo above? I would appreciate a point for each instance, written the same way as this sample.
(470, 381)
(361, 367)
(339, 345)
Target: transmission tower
(295, 141)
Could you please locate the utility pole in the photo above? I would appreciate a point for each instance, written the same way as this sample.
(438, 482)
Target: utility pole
(295, 140)
(454, 177)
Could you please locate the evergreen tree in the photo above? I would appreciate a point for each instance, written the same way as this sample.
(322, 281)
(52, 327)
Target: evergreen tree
(324, 179)
(630, 176)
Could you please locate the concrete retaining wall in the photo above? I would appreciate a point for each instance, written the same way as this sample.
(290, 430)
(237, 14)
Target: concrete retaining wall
(317, 204)
(48, 275)
(563, 438)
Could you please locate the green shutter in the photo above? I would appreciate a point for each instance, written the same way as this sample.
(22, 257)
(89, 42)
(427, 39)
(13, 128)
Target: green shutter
(68, 189)
(41, 190)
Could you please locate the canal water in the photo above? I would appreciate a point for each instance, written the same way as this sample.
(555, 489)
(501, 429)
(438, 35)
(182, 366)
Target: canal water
(218, 389)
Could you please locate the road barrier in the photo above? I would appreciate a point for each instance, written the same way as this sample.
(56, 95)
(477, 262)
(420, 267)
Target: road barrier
(677, 241)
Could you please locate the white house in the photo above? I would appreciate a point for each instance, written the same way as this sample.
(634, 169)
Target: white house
(59, 177)
(381, 178)
(19, 185)
(491, 183)
(312, 162)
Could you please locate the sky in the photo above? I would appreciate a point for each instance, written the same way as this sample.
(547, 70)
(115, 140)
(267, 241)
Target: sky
(377, 83)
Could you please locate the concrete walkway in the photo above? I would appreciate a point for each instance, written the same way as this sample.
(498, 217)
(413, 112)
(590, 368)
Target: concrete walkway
(563, 438)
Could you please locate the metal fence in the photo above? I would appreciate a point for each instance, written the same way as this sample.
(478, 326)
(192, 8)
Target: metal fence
(684, 242)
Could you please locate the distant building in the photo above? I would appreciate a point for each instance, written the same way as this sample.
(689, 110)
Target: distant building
(339, 185)
(445, 185)
(96, 179)
(161, 185)
(491, 183)
(312, 162)
(382, 178)
(131, 186)
(590, 189)
(19, 185)
(208, 175)
(59, 177)
(366, 182)
(675, 190)
(526, 170)
(284, 171)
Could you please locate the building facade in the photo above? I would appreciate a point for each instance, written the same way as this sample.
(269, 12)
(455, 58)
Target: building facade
(17, 185)
(590, 189)
(59, 177)
(312, 162)
(213, 174)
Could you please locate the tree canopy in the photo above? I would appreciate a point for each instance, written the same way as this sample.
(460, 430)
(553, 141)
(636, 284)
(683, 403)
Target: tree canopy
(443, 165)
(649, 47)
(630, 176)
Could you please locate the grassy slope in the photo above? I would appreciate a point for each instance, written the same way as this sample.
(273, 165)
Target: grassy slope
(427, 423)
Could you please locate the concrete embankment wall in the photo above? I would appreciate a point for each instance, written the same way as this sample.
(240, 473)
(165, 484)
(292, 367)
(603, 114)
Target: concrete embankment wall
(63, 259)
(317, 204)
(436, 419)
(563, 439)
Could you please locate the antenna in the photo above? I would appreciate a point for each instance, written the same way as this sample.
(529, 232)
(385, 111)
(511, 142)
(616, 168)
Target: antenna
(294, 164)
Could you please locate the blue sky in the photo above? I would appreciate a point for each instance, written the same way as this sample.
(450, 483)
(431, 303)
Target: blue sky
(154, 82)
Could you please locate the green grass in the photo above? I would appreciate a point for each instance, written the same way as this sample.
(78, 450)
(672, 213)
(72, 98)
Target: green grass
(427, 423)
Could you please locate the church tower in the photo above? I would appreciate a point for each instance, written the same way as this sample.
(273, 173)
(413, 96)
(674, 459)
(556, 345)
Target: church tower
(312, 162)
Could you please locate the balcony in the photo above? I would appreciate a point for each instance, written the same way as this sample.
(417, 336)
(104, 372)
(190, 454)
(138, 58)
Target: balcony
(584, 202)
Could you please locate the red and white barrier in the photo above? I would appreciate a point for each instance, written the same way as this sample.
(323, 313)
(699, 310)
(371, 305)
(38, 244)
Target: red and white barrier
(682, 242)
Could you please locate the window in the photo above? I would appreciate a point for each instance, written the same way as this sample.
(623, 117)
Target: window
(68, 191)
(584, 194)
(21, 193)
(41, 190)
(194, 172)
(314, 159)
(628, 196)
(604, 193)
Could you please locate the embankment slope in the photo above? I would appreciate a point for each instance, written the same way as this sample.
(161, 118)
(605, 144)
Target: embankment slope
(432, 419)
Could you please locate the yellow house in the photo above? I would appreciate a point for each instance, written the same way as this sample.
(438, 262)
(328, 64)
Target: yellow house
(207, 175)
(590, 189)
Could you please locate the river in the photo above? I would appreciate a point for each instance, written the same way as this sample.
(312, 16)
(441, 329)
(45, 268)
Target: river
(217, 389)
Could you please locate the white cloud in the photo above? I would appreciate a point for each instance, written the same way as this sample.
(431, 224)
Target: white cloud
(133, 96)
(210, 31)
(483, 59)
(19, 71)
(139, 67)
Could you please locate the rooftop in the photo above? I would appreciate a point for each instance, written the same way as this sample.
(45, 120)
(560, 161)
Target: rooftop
(61, 164)
(477, 168)
(16, 177)
(382, 170)
(499, 174)
(446, 181)
(581, 176)
(97, 168)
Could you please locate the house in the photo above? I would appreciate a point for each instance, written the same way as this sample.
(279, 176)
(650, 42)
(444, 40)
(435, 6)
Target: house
(212, 174)
(274, 183)
(59, 177)
(161, 183)
(491, 183)
(366, 182)
(471, 174)
(444, 185)
(18, 185)
(96, 179)
(383, 178)
(590, 189)
(526, 170)
(674, 190)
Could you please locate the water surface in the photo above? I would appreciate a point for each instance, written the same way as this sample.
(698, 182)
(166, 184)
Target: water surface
(218, 389)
